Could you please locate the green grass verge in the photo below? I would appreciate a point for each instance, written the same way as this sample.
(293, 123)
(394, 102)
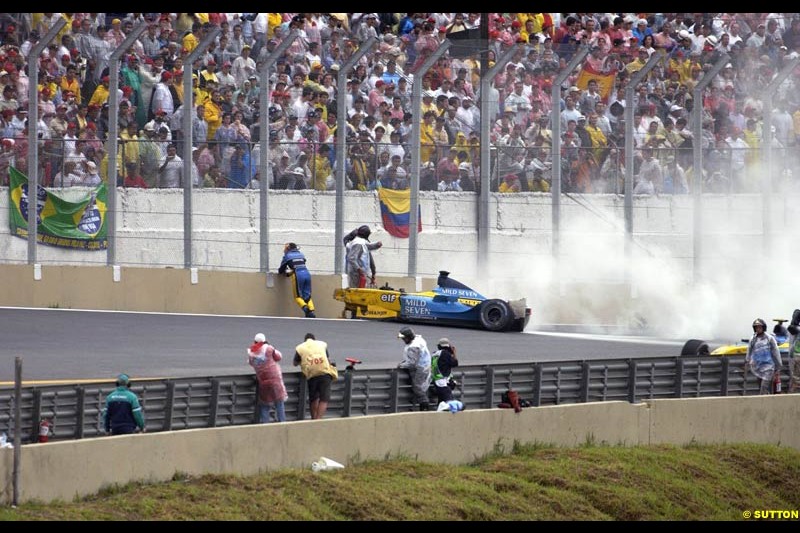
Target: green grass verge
(531, 483)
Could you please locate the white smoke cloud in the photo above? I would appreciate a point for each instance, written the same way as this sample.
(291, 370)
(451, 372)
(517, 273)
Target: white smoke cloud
(657, 294)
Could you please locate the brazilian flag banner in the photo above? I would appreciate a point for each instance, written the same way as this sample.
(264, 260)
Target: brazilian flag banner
(77, 225)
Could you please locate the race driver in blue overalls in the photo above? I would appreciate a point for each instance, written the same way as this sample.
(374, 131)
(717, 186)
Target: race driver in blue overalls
(294, 259)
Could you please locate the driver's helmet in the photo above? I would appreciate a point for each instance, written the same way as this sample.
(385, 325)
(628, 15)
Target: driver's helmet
(759, 322)
(364, 232)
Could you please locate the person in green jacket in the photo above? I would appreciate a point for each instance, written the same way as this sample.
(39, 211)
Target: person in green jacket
(123, 413)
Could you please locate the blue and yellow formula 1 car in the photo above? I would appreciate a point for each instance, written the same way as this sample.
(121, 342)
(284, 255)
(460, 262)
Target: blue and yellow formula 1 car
(449, 303)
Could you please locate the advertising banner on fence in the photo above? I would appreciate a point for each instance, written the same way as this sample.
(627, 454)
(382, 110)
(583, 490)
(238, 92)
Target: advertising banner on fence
(79, 225)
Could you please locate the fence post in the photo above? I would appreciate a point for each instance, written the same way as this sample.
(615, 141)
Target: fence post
(36, 415)
(585, 371)
(679, 377)
(17, 468)
(555, 121)
(723, 386)
(169, 406)
(113, 139)
(634, 81)
(695, 125)
(33, 112)
(263, 148)
(347, 401)
(489, 392)
(394, 390)
(214, 403)
(302, 392)
(537, 384)
(484, 183)
(766, 181)
(416, 137)
(256, 413)
(188, 125)
(340, 148)
(632, 380)
(81, 412)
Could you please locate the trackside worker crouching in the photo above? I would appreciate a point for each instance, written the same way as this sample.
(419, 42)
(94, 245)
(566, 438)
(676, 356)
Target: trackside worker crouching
(123, 413)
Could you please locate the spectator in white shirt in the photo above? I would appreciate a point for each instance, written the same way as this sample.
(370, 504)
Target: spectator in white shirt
(171, 168)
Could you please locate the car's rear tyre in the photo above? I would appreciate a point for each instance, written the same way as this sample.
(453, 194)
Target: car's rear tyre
(495, 315)
(694, 348)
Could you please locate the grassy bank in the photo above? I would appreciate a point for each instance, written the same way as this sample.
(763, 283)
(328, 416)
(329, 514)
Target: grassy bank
(533, 483)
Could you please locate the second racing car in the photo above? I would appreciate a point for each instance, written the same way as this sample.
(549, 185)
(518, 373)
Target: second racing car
(698, 347)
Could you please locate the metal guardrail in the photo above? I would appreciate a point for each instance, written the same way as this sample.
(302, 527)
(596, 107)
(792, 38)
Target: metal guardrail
(75, 411)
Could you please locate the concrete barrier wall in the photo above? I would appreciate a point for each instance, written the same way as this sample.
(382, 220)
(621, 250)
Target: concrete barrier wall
(169, 290)
(63, 470)
(759, 419)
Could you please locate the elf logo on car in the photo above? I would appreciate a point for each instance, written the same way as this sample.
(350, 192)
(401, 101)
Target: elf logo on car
(467, 301)
(388, 297)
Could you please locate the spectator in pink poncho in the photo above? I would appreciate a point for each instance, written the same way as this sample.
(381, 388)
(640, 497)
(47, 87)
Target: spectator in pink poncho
(264, 358)
(426, 44)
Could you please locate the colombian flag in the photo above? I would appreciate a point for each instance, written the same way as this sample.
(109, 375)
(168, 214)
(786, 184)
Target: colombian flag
(395, 211)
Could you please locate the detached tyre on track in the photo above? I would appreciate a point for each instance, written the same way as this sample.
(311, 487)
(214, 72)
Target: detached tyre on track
(695, 348)
(495, 315)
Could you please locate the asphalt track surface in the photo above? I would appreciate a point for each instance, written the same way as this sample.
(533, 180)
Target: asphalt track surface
(75, 345)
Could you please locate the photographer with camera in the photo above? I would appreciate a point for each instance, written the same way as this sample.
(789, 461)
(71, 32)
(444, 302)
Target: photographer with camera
(442, 363)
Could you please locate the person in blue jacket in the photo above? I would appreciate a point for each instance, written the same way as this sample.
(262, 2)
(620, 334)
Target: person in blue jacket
(294, 260)
(123, 414)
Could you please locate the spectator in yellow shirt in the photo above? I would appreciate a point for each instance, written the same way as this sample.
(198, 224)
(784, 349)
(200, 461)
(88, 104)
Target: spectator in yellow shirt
(323, 173)
(191, 40)
(70, 82)
(100, 95)
(213, 113)
(273, 20)
(427, 137)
